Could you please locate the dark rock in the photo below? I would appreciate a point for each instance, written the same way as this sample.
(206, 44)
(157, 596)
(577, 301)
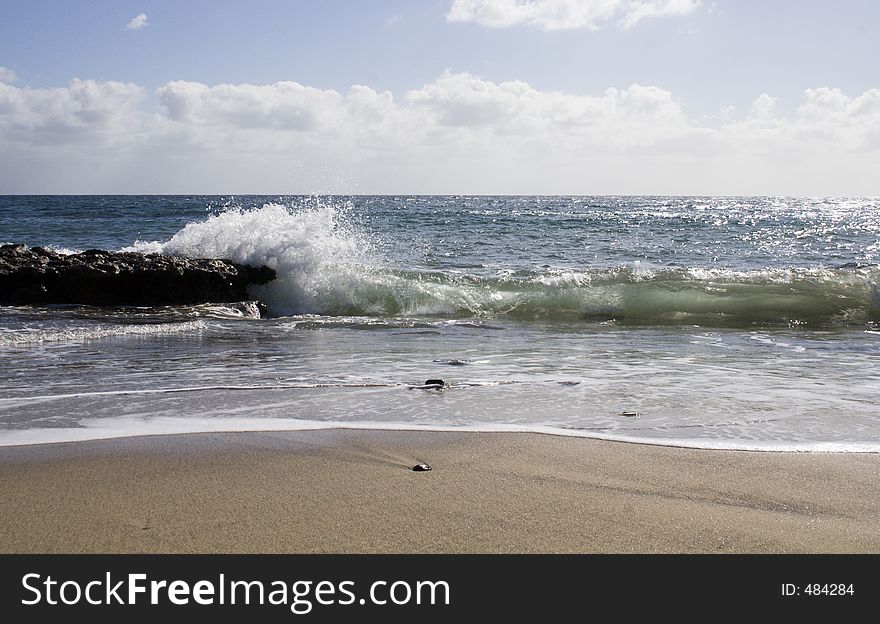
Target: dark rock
(259, 275)
(96, 277)
(421, 468)
(435, 382)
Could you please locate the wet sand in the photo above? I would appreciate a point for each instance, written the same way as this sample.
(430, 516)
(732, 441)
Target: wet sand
(347, 491)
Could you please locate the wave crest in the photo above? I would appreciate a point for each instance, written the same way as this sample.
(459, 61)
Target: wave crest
(699, 296)
(319, 257)
(328, 267)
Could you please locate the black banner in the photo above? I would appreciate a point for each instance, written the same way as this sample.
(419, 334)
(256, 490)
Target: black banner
(432, 587)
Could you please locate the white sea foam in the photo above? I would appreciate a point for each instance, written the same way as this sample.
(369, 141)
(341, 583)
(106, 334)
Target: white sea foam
(23, 336)
(145, 247)
(320, 259)
(127, 427)
(64, 251)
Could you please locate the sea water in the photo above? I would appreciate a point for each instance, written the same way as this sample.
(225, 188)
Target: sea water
(714, 322)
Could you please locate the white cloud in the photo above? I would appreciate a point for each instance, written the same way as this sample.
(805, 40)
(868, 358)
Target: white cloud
(763, 107)
(280, 106)
(457, 133)
(636, 11)
(85, 111)
(615, 119)
(7, 75)
(137, 22)
(564, 14)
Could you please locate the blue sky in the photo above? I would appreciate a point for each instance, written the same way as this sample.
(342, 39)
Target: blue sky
(709, 63)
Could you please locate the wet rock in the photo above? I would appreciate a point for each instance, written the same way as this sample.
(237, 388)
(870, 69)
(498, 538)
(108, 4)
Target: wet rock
(422, 467)
(430, 384)
(35, 275)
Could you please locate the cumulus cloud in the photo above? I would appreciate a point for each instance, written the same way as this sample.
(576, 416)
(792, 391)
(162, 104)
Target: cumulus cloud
(457, 133)
(762, 108)
(280, 106)
(564, 14)
(615, 119)
(137, 22)
(827, 121)
(634, 12)
(7, 75)
(84, 110)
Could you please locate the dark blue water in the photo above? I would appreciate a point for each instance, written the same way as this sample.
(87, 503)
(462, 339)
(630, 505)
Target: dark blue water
(502, 232)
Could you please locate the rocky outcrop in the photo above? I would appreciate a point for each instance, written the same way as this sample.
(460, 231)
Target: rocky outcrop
(34, 275)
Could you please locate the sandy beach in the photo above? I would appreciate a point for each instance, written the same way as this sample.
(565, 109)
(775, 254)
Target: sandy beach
(347, 491)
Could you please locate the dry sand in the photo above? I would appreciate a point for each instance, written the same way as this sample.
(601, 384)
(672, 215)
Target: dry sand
(346, 491)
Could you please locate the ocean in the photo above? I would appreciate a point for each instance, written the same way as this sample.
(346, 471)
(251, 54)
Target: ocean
(712, 322)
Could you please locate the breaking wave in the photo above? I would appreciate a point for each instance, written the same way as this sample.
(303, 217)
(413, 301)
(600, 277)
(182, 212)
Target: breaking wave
(328, 267)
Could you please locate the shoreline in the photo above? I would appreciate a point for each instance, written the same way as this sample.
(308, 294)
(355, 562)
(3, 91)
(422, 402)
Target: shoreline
(279, 425)
(353, 491)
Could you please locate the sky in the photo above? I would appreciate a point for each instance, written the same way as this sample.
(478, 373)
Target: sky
(677, 97)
